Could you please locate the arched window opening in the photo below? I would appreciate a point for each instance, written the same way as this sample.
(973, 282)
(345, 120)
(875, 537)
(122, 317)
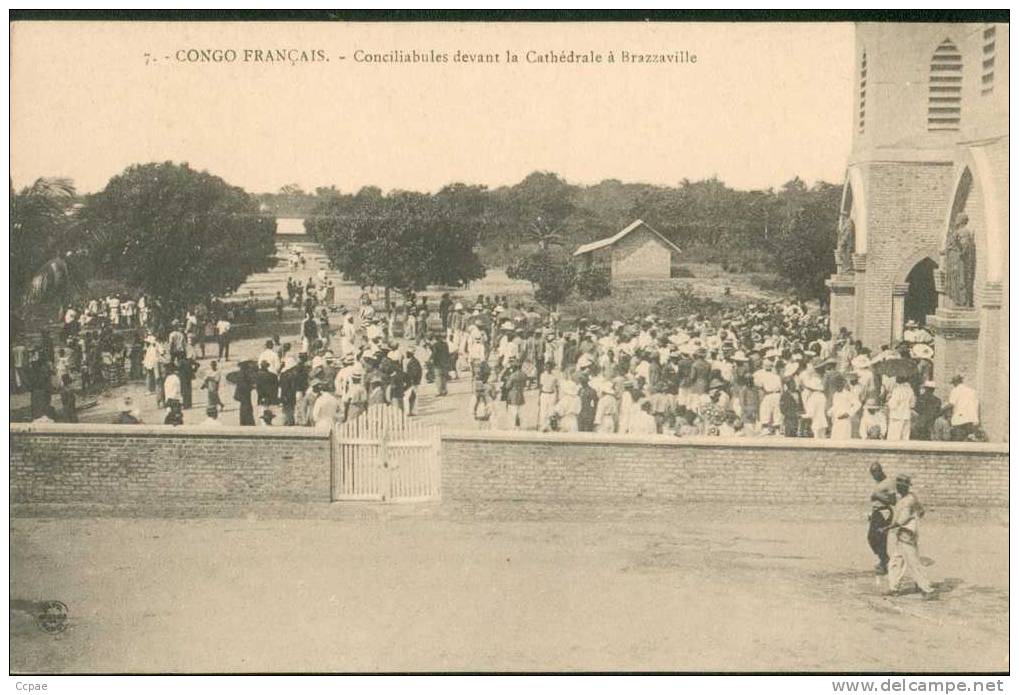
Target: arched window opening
(944, 99)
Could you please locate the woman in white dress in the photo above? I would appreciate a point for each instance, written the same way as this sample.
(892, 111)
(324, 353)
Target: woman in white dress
(844, 405)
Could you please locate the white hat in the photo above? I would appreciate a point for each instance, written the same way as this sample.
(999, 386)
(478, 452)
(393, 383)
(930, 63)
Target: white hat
(740, 356)
(458, 307)
(507, 325)
(921, 351)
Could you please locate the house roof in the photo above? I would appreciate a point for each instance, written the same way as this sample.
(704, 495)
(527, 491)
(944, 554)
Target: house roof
(290, 225)
(609, 241)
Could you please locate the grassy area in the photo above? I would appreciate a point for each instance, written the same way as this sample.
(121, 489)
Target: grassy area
(699, 287)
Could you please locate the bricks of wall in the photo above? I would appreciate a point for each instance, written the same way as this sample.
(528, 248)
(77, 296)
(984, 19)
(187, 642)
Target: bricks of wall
(139, 463)
(906, 207)
(531, 466)
(129, 464)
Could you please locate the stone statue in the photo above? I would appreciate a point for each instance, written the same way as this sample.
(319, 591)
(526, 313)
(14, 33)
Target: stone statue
(845, 244)
(960, 263)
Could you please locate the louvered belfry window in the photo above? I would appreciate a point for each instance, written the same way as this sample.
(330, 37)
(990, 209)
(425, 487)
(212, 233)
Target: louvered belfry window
(987, 75)
(944, 100)
(863, 92)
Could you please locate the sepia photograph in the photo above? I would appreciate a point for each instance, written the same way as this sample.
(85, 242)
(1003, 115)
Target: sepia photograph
(497, 343)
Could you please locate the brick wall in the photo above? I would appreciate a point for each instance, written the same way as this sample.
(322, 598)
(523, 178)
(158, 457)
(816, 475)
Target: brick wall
(906, 207)
(139, 463)
(531, 466)
(129, 464)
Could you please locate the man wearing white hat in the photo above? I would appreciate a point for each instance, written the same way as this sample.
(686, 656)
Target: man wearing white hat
(965, 409)
(868, 384)
(815, 406)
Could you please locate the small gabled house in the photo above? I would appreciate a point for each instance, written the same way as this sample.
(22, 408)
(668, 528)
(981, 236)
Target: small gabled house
(638, 252)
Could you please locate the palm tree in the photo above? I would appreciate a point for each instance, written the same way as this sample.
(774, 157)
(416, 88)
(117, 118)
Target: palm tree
(542, 233)
(43, 221)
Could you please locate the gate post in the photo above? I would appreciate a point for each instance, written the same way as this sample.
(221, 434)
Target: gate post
(384, 460)
(334, 461)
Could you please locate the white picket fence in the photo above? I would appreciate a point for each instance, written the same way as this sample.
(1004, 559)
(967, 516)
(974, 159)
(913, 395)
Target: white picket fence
(385, 456)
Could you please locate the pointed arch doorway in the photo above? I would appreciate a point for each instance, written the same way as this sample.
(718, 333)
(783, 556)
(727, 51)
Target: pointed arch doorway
(921, 294)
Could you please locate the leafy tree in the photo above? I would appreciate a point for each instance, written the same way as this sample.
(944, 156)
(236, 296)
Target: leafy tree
(543, 202)
(804, 243)
(178, 234)
(552, 276)
(404, 241)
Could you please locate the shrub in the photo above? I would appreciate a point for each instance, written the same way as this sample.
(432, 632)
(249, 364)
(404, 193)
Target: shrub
(594, 283)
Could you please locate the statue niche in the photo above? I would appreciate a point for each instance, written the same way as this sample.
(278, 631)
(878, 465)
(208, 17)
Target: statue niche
(845, 244)
(960, 263)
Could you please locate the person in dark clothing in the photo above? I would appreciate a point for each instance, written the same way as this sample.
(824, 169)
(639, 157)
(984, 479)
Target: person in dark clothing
(444, 306)
(928, 407)
(440, 364)
(882, 501)
(37, 377)
(68, 409)
(174, 415)
(267, 386)
(413, 375)
(395, 385)
(186, 372)
(278, 302)
(700, 372)
(588, 404)
(242, 394)
(790, 404)
(289, 380)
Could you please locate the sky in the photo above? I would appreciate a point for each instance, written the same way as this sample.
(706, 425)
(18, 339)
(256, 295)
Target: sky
(762, 103)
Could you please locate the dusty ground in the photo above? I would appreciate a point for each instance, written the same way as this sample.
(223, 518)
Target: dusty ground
(497, 587)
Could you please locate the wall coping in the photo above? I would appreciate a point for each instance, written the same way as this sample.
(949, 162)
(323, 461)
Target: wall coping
(523, 437)
(58, 429)
(868, 445)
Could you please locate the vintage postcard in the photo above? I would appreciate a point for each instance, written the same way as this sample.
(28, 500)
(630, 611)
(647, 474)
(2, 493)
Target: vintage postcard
(367, 344)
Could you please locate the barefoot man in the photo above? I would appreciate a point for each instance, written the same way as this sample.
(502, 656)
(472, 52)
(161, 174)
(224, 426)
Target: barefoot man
(903, 536)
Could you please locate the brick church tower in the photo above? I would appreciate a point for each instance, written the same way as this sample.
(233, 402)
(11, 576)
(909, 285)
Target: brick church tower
(929, 165)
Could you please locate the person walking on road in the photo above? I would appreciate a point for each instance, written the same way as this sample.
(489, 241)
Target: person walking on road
(882, 504)
(903, 537)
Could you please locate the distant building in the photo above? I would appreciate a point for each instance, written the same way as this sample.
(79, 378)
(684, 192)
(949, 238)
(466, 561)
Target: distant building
(928, 167)
(637, 253)
(291, 228)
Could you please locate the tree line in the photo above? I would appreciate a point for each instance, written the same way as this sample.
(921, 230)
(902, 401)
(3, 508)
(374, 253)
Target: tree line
(182, 235)
(406, 240)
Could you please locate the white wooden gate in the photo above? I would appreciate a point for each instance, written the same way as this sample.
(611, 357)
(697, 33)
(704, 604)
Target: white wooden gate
(385, 456)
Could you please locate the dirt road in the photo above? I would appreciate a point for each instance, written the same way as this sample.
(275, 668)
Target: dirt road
(500, 587)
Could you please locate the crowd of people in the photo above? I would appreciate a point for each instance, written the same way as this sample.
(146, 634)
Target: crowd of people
(760, 370)
(106, 342)
(766, 369)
